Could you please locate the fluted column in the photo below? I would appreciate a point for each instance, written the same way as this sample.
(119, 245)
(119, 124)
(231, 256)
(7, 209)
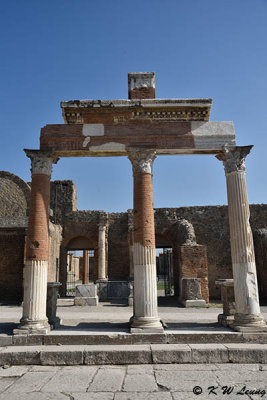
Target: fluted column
(102, 227)
(145, 316)
(34, 318)
(247, 316)
(130, 243)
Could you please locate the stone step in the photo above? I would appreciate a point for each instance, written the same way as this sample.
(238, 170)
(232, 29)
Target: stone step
(134, 354)
(87, 338)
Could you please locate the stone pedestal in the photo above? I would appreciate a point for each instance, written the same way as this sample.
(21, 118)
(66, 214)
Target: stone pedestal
(34, 320)
(247, 316)
(145, 318)
(228, 300)
(191, 293)
(86, 295)
(51, 304)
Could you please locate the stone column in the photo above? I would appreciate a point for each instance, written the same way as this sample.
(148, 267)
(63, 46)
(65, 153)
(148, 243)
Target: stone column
(102, 274)
(130, 242)
(145, 316)
(247, 316)
(34, 318)
(85, 267)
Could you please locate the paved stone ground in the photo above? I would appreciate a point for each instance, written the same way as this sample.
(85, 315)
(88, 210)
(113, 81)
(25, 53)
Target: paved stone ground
(109, 317)
(134, 382)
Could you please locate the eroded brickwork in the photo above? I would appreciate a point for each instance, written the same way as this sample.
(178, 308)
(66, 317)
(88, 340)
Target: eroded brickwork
(37, 244)
(143, 212)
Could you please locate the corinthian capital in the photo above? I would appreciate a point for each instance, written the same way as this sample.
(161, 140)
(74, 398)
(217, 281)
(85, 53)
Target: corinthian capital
(41, 161)
(142, 160)
(234, 158)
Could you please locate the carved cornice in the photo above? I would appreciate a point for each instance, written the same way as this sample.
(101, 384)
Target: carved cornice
(142, 160)
(234, 158)
(41, 161)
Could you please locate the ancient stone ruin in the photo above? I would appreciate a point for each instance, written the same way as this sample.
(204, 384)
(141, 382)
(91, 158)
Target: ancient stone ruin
(40, 223)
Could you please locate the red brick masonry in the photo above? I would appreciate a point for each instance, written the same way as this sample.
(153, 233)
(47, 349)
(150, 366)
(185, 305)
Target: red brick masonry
(38, 240)
(158, 135)
(144, 230)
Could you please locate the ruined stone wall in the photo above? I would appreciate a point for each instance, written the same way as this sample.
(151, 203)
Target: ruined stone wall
(63, 199)
(55, 236)
(207, 226)
(212, 230)
(12, 243)
(118, 247)
(14, 195)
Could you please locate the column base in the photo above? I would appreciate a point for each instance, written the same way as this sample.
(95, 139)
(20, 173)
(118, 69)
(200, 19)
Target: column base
(249, 323)
(145, 325)
(225, 320)
(28, 327)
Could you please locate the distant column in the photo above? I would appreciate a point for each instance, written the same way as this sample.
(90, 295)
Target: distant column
(85, 267)
(145, 316)
(102, 274)
(34, 318)
(247, 316)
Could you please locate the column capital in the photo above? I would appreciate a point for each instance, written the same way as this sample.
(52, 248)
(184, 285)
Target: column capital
(142, 160)
(233, 158)
(41, 161)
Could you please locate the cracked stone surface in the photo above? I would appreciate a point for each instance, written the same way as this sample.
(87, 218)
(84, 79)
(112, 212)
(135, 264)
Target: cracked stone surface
(134, 382)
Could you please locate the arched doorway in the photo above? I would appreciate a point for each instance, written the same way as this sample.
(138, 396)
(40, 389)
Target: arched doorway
(78, 264)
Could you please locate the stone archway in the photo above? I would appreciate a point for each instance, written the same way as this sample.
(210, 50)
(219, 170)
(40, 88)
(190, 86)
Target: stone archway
(77, 266)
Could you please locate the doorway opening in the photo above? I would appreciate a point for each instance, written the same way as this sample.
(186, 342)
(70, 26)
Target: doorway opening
(79, 269)
(165, 281)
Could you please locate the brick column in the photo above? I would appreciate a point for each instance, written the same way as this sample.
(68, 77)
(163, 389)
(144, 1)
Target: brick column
(145, 316)
(85, 267)
(102, 227)
(34, 318)
(247, 316)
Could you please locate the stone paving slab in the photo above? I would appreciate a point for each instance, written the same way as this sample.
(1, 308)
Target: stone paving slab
(30, 382)
(133, 382)
(107, 380)
(86, 337)
(143, 396)
(134, 354)
(142, 382)
(130, 354)
(33, 396)
(70, 380)
(171, 353)
(209, 353)
(92, 396)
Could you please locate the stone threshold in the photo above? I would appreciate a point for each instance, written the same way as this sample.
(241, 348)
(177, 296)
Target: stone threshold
(134, 354)
(87, 338)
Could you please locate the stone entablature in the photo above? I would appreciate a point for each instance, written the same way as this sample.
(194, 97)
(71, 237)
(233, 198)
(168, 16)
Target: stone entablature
(97, 139)
(117, 111)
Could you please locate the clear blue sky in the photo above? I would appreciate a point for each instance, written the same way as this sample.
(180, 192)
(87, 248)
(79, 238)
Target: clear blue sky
(64, 49)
